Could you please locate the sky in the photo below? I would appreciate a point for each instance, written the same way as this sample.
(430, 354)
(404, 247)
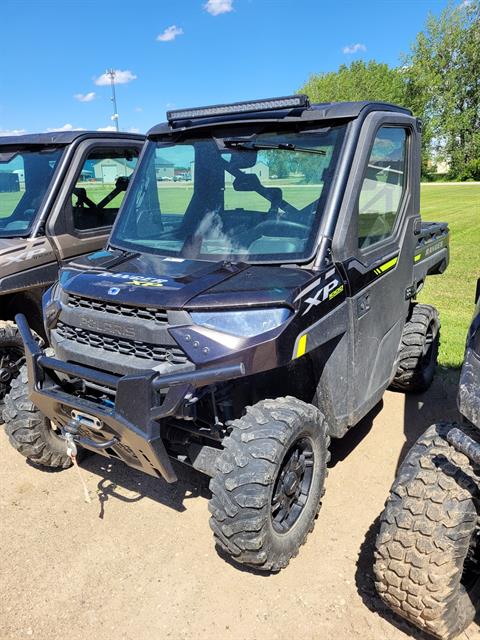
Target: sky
(181, 53)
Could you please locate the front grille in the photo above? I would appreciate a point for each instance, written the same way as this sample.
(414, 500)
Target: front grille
(142, 313)
(126, 347)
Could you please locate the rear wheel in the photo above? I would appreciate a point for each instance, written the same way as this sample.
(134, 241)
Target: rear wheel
(11, 356)
(427, 553)
(269, 482)
(417, 357)
(29, 431)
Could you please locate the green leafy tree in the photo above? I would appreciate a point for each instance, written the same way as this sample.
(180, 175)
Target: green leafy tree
(369, 81)
(443, 69)
(359, 81)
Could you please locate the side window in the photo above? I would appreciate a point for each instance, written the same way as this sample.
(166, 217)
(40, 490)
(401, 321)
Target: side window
(100, 187)
(383, 186)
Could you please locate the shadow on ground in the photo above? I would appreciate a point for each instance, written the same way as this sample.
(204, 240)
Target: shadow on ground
(438, 404)
(119, 482)
(341, 448)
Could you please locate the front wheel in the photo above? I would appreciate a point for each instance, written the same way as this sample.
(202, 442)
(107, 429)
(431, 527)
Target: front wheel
(269, 482)
(29, 431)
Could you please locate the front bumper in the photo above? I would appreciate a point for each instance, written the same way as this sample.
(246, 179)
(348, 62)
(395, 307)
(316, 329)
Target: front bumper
(129, 428)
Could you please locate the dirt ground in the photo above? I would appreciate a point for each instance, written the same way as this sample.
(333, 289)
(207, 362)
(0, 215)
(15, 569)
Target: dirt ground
(139, 562)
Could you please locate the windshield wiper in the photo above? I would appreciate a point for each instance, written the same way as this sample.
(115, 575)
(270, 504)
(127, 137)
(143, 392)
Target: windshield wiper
(248, 145)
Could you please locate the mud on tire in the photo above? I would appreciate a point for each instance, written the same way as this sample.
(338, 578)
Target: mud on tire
(30, 432)
(269, 483)
(425, 559)
(418, 351)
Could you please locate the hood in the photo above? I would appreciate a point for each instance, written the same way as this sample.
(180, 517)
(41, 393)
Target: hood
(173, 283)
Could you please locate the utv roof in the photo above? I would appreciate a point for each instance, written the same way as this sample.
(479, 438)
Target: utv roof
(63, 138)
(287, 109)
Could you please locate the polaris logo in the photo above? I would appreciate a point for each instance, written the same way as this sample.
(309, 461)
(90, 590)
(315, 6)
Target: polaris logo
(112, 328)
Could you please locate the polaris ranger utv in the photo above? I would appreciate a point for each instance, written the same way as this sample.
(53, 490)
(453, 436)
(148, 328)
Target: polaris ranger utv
(57, 201)
(427, 553)
(240, 319)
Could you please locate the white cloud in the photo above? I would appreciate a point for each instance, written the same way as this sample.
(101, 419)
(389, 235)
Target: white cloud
(134, 130)
(109, 127)
(170, 34)
(12, 132)
(121, 77)
(216, 7)
(66, 127)
(85, 97)
(354, 48)
(138, 109)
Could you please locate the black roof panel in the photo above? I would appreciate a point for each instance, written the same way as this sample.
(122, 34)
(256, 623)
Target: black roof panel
(60, 138)
(315, 112)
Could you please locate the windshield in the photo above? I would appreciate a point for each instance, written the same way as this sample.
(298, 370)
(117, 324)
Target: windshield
(24, 180)
(257, 198)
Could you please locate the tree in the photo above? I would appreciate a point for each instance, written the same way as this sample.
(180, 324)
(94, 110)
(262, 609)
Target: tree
(370, 81)
(439, 80)
(359, 81)
(444, 77)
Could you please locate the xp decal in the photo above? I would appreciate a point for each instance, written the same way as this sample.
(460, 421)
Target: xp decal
(330, 287)
(28, 254)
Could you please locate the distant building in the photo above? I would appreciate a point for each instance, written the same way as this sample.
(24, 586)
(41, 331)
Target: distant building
(260, 169)
(109, 169)
(440, 167)
(9, 182)
(164, 169)
(21, 177)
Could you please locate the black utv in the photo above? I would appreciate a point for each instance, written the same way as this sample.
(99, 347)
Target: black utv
(242, 317)
(427, 554)
(59, 195)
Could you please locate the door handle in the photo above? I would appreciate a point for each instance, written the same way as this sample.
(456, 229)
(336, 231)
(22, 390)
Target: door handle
(363, 305)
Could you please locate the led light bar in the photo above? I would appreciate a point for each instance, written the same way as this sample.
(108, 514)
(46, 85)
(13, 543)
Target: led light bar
(288, 102)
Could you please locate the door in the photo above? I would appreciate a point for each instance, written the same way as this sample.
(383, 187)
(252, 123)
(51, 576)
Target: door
(91, 196)
(381, 268)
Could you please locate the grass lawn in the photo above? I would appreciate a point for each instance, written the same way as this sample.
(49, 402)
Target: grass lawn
(453, 292)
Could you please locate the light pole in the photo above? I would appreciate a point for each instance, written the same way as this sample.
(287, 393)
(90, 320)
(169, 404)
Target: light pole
(111, 74)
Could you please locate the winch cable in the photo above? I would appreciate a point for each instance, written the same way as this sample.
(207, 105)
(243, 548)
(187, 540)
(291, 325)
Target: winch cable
(72, 454)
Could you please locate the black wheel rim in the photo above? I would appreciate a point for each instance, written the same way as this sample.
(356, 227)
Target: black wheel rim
(11, 359)
(292, 486)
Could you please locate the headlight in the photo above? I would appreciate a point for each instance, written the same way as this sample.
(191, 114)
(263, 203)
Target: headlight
(51, 306)
(246, 323)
